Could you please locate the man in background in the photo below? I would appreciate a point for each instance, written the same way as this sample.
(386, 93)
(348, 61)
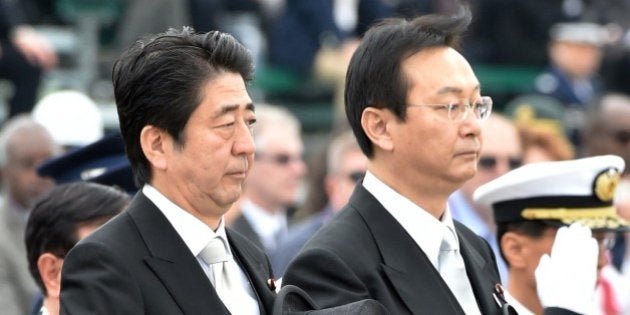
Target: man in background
(607, 129)
(274, 182)
(68, 214)
(24, 144)
(344, 165)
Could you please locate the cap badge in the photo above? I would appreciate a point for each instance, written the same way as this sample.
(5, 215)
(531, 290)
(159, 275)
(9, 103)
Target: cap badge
(606, 183)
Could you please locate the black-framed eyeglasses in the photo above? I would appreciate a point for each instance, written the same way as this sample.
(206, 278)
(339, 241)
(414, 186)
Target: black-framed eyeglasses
(459, 112)
(489, 162)
(281, 159)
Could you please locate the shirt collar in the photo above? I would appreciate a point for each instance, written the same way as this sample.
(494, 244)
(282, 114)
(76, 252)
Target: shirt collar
(518, 307)
(193, 231)
(266, 224)
(426, 231)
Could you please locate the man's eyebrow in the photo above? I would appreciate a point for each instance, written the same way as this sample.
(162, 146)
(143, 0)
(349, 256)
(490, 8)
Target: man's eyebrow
(225, 109)
(454, 90)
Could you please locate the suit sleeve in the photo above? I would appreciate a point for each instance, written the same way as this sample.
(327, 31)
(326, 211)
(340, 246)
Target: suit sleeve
(558, 311)
(325, 277)
(95, 281)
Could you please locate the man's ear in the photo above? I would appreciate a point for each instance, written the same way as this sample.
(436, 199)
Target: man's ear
(376, 125)
(156, 144)
(513, 248)
(49, 267)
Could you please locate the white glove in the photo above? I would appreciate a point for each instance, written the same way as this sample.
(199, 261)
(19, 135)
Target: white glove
(566, 279)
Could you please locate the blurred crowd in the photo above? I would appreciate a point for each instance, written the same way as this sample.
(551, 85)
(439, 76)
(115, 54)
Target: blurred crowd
(577, 105)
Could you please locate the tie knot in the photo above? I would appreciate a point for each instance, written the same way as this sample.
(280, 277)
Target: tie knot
(214, 252)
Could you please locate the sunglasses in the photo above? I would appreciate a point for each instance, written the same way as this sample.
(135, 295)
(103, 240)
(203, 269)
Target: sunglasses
(622, 137)
(490, 162)
(281, 159)
(356, 176)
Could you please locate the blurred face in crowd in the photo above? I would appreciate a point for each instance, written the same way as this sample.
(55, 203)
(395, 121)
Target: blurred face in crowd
(340, 184)
(25, 151)
(437, 154)
(622, 198)
(501, 152)
(204, 173)
(611, 135)
(276, 176)
(577, 59)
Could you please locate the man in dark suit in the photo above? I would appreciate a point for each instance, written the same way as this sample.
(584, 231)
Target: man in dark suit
(186, 119)
(415, 106)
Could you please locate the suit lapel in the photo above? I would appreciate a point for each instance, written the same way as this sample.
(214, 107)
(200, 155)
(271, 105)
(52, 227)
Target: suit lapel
(478, 269)
(416, 281)
(172, 262)
(255, 270)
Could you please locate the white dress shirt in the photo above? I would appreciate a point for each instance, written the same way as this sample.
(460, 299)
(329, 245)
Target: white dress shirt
(518, 307)
(196, 236)
(424, 228)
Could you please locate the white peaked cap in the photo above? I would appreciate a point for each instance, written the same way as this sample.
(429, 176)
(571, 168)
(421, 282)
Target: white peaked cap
(563, 191)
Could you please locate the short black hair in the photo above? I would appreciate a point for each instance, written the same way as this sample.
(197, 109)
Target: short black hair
(158, 81)
(55, 220)
(374, 77)
(532, 228)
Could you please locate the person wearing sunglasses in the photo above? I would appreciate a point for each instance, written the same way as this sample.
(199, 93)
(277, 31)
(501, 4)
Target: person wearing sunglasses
(530, 205)
(501, 152)
(607, 129)
(274, 181)
(331, 184)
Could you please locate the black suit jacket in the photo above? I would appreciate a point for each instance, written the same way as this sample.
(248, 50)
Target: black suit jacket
(138, 264)
(364, 253)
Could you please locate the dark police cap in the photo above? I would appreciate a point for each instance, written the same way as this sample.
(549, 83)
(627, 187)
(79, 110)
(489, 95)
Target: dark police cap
(559, 192)
(103, 162)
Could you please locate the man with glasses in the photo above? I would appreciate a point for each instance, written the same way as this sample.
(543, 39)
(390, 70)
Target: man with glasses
(274, 180)
(530, 204)
(416, 108)
(501, 152)
(330, 188)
